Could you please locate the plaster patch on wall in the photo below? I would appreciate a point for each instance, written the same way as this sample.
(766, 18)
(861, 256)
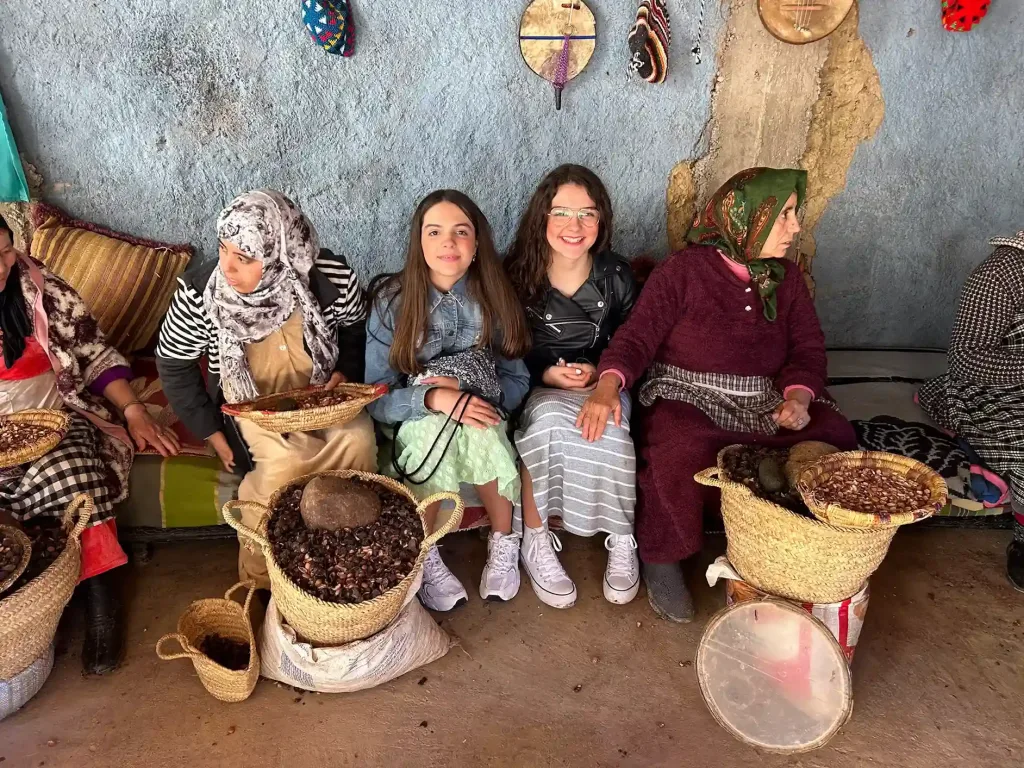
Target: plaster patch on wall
(763, 98)
(849, 111)
(682, 202)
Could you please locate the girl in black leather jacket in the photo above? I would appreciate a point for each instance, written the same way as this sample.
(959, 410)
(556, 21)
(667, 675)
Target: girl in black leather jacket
(576, 292)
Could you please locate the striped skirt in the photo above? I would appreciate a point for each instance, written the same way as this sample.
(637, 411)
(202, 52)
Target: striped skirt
(590, 486)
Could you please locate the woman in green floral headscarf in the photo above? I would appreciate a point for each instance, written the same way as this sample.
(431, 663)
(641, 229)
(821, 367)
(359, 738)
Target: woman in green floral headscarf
(739, 218)
(729, 349)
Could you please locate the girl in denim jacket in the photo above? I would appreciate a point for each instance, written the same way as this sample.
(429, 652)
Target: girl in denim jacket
(447, 335)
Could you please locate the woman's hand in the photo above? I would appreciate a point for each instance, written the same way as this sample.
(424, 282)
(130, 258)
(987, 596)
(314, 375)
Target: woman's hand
(219, 443)
(792, 414)
(336, 378)
(477, 413)
(575, 376)
(604, 401)
(444, 382)
(146, 432)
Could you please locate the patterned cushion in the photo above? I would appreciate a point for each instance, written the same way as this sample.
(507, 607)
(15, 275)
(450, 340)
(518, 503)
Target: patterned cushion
(127, 283)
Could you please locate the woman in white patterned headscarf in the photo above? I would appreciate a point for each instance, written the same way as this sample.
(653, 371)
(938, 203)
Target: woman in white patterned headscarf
(267, 248)
(981, 398)
(276, 314)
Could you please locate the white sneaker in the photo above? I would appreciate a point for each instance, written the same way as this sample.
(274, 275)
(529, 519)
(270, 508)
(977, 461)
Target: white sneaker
(440, 590)
(622, 576)
(548, 578)
(500, 579)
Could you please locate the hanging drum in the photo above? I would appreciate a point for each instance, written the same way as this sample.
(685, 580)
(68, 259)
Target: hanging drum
(557, 40)
(774, 676)
(803, 21)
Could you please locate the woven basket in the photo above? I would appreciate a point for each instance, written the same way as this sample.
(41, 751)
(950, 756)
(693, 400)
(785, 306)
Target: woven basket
(228, 619)
(914, 471)
(58, 421)
(792, 556)
(26, 554)
(28, 617)
(317, 620)
(261, 413)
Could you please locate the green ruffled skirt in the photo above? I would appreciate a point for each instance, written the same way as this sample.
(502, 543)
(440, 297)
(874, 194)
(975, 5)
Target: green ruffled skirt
(474, 457)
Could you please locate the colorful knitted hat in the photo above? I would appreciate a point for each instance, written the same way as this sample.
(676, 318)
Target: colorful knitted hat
(649, 40)
(329, 23)
(962, 15)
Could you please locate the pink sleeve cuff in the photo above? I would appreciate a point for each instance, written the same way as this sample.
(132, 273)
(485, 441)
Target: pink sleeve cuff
(616, 372)
(791, 387)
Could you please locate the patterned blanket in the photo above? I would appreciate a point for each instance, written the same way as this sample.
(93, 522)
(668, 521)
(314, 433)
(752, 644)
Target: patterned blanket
(933, 448)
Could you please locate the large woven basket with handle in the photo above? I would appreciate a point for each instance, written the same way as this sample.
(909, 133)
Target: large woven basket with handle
(225, 618)
(29, 616)
(271, 412)
(319, 621)
(789, 555)
(820, 471)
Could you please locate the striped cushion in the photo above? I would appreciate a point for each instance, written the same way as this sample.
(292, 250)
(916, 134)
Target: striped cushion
(126, 283)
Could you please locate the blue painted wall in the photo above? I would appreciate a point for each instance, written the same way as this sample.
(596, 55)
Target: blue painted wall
(943, 175)
(149, 117)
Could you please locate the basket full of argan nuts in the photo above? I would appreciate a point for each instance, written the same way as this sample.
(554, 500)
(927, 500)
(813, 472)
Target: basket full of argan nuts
(871, 489)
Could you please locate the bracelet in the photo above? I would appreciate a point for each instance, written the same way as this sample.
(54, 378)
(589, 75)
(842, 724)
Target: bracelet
(129, 404)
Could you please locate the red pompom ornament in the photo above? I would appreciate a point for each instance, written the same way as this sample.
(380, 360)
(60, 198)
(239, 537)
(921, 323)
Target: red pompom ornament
(962, 15)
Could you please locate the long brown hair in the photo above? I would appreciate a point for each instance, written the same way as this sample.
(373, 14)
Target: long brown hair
(486, 280)
(528, 262)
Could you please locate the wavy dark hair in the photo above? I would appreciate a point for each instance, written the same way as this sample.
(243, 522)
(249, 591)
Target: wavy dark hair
(487, 283)
(528, 261)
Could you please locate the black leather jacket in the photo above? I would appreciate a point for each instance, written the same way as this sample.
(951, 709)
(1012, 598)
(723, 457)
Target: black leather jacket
(578, 329)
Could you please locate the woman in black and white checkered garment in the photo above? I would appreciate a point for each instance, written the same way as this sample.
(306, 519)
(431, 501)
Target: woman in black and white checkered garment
(981, 398)
(53, 355)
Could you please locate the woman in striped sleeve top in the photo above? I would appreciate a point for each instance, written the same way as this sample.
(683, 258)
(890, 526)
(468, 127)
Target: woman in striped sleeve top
(275, 313)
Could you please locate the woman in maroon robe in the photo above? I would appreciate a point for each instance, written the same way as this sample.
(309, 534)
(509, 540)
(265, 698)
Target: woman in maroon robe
(730, 349)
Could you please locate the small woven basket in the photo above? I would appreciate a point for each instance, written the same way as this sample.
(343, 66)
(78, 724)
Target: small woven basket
(29, 616)
(262, 410)
(319, 621)
(225, 618)
(789, 555)
(26, 554)
(914, 471)
(57, 421)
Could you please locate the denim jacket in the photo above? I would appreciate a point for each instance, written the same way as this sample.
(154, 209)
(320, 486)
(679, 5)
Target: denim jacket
(455, 325)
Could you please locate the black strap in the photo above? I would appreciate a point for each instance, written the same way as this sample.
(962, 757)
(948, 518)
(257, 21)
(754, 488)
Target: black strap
(407, 477)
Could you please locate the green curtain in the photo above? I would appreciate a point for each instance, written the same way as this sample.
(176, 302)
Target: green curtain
(13, 187)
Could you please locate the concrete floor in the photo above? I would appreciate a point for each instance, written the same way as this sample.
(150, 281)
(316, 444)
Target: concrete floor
(939, 680)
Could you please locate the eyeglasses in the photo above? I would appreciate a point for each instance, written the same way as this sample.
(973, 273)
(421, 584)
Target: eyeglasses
(588, 216)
